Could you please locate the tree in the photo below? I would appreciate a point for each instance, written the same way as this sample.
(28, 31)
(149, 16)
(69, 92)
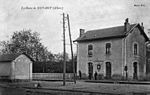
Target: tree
(5, 46)
(28, 42)
(59, 57)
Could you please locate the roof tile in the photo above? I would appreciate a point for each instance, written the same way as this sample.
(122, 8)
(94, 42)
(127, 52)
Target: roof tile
(104, 33)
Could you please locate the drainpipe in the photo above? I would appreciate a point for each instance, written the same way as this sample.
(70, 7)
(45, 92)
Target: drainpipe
(123, 64)
(125, 59)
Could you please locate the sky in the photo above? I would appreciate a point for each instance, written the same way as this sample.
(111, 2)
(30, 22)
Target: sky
(16, 15)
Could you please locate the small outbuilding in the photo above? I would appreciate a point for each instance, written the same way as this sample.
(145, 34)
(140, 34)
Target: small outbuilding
(16, 66)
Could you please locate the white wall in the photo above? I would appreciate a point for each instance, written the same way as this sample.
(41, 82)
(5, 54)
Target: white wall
(22, 68)
(5, 68)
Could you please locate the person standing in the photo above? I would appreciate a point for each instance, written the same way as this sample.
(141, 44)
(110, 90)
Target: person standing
(80, 74)
(95, 75)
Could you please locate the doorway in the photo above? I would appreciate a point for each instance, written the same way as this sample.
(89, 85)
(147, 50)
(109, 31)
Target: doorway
(90, 70)
(108, 70)
(135, 70)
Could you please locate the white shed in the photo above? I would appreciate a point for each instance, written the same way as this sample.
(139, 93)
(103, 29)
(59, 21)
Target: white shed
(16, 66)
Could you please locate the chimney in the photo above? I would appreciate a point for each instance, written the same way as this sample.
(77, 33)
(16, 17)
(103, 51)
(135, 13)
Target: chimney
(127, 25)
(81, 32)
(142, 26)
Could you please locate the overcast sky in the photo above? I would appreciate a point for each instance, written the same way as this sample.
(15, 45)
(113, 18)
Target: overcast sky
(86, 14)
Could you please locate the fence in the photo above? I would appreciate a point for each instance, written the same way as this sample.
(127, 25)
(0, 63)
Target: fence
(51, 76)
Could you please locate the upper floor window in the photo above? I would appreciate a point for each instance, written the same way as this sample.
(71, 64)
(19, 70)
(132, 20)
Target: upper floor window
(148, 47)
(148, 60)
(108, 46)
(135, 49)
(90, 50)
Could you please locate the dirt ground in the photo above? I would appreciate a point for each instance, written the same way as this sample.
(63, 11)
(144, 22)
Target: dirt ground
(82, 86)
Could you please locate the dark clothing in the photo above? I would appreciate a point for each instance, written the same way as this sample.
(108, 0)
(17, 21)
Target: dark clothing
(80, 74)
(95, 75)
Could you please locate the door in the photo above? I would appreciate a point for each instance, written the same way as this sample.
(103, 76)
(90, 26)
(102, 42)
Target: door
(108, 70)
(90, 70)
(135, 70)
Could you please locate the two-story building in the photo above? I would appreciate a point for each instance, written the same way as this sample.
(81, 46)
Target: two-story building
(116, 52)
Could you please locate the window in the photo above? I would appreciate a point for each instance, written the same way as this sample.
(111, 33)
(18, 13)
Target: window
(108, 46)
(90, 50)
(148, 60)
(135, 49)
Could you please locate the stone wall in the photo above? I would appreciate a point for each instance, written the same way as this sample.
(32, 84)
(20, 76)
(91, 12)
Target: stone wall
(136, 37)
(100, 57)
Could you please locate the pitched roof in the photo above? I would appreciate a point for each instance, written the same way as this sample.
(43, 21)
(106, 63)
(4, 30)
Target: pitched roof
(113, 32)
(11, 57)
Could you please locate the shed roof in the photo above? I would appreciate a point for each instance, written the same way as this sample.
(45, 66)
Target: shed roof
(11, 57)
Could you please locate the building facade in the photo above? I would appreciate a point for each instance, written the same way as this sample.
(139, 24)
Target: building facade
(148, 59)
(116, 52)
(15, 67)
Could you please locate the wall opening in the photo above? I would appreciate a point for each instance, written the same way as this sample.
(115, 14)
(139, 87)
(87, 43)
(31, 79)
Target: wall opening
(108, 70)
(90, 70)
(135, 71)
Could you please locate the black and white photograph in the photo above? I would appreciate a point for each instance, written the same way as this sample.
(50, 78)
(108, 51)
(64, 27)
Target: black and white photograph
(74, 47)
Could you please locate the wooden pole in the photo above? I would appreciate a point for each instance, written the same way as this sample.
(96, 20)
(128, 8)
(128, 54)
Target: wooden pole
(64, 55)
(71, 49)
